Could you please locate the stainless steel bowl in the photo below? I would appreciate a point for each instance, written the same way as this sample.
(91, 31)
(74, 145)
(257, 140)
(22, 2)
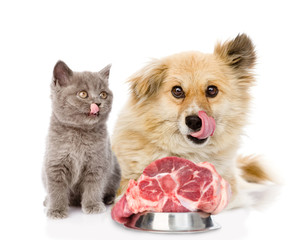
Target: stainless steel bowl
(173, 222)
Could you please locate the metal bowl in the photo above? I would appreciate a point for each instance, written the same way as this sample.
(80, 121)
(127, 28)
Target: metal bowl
(172, 222)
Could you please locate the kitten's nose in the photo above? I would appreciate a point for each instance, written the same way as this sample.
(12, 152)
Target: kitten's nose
(98, 104)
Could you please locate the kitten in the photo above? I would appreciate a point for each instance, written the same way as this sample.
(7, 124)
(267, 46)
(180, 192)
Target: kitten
(79, 168)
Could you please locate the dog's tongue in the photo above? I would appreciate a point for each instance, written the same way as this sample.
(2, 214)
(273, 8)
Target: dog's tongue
(94, 109)
(207, 128)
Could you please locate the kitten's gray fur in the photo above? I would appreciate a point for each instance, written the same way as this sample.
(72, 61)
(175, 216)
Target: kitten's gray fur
(79, 168)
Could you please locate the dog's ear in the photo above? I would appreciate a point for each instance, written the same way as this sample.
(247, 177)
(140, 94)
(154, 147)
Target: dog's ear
(238, 53)
(147, 81)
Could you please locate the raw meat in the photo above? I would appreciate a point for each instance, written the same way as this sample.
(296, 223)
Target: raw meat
(174, 184)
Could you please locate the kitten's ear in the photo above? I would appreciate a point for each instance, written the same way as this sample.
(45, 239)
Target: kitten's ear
(105, 72)
(62, 74)
(238, 53)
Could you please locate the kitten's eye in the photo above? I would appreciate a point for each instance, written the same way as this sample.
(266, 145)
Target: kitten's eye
(178, 92)
(211, 91)
(83, 94)
(103, 95)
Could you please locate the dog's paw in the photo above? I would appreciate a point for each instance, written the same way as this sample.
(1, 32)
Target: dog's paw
(57, 213)
(98, 207)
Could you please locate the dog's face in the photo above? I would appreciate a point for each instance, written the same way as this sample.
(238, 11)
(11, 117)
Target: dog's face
(174, 90)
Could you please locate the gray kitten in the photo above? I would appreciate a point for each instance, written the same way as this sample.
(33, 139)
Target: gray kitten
(79, 168)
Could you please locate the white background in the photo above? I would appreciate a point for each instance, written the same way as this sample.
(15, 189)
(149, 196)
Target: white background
(91, 34)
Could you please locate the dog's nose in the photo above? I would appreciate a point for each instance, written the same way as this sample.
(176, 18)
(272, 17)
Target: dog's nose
(193, 122)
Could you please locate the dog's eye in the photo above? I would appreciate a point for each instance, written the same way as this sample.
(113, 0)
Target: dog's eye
(178, 92)
(83, 94)
(211, 91)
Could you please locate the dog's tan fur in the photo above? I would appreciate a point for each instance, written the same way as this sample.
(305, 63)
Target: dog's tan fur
(152, 124)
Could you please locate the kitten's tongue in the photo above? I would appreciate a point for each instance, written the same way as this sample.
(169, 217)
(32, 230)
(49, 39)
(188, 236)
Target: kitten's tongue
(207, 128)
(94, 109)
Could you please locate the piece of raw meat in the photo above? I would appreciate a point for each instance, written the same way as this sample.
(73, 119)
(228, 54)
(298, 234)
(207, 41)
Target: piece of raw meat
(174, 184)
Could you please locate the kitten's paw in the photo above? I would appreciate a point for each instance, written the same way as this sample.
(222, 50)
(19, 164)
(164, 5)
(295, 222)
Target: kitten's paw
(109, 199)
(98, 207)
(57, 213)
(45, 203)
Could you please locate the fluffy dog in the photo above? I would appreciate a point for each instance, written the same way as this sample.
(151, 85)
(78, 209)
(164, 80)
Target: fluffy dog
(162, 114)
